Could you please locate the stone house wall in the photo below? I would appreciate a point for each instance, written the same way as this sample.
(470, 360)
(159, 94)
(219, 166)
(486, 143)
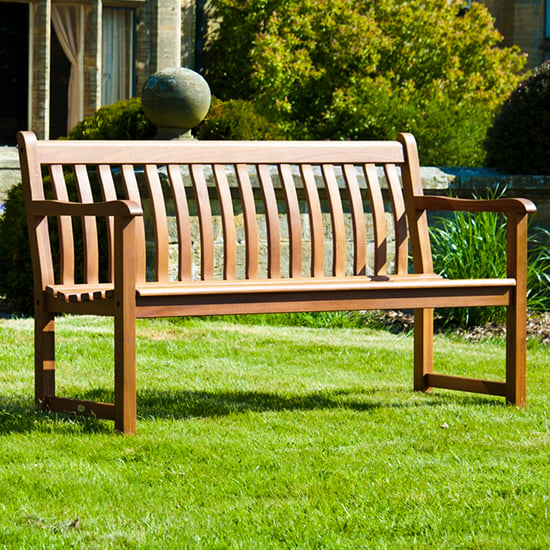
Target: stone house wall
(522, 22)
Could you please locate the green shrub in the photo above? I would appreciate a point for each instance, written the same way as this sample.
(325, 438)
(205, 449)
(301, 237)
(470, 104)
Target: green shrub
(367, 70)
(121, 120)
(16, 273)
(519, 139)
(471, 246)
(236, 119)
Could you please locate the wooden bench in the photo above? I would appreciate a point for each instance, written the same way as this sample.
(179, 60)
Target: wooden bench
(221, 197)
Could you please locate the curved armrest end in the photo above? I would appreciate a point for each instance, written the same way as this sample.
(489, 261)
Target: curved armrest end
(503, 205)
(132, 208)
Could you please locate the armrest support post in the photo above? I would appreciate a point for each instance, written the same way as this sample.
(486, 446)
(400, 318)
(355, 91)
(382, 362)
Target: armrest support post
(516, 321)
(125, 323)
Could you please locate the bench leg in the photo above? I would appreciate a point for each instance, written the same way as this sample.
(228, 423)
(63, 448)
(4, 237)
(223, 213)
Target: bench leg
(125, 374)
(423, 347)
(125, 326)
(516, 313)
(516, 351)
(44, 355)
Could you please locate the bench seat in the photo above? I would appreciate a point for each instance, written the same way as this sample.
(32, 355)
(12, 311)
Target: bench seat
(367, 286)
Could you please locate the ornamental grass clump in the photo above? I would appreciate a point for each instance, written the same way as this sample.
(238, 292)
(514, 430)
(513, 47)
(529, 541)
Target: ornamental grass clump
(468, 246)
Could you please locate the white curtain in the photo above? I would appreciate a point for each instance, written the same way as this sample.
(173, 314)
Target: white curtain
(117, 54)
(68, 22)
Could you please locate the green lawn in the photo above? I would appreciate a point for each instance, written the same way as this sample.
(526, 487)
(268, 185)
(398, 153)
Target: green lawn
(271, 437)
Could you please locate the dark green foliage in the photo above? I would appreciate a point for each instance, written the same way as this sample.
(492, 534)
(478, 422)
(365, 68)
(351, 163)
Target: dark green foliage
(236, 119)
(367, 70)
(121, 120)
(16, 273)
(519, 140)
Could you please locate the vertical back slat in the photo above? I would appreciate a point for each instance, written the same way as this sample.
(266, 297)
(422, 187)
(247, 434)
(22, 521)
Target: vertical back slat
(228, 223)
(250, 222)
(294, 222)
(183, 223)
(399, 220)
(418, 219)
(205, 221)
(315, 221)
(160, 222)
(132, 190)
(357, 220)
(378, 219)
(89, 226)
(65, 225)
(108, 191)
(272, 222)
(338, 225)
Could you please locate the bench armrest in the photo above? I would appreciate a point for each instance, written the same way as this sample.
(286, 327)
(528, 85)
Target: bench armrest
(504, 205)
(123, 208)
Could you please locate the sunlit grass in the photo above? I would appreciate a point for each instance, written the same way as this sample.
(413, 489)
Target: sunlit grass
(256, 436)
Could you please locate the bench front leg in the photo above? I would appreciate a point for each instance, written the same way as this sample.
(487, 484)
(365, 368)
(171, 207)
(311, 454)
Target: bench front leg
(125, 325)
(423, 347)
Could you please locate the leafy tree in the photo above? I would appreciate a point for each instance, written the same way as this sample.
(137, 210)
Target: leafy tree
(369, 69)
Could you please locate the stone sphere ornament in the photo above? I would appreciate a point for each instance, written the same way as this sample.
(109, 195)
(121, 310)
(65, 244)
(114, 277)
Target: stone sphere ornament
(175, 100)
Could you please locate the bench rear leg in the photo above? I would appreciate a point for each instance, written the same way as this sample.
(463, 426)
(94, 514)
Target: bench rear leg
(44, 356)
(516, 351)
(423, 347)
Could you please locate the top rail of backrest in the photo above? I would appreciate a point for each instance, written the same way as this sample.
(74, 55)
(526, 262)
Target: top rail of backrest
(218, 152)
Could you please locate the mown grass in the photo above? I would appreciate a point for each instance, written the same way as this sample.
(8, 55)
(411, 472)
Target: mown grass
(256, 436)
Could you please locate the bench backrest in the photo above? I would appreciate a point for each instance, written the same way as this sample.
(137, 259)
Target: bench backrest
(232, 209)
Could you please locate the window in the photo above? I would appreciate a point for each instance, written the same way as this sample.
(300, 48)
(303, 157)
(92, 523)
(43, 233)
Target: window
(118, 54)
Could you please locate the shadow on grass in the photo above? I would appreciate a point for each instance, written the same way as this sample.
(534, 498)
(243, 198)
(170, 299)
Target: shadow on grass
(18, 415)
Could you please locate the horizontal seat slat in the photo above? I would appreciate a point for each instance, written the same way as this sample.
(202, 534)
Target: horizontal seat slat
(331, 284)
